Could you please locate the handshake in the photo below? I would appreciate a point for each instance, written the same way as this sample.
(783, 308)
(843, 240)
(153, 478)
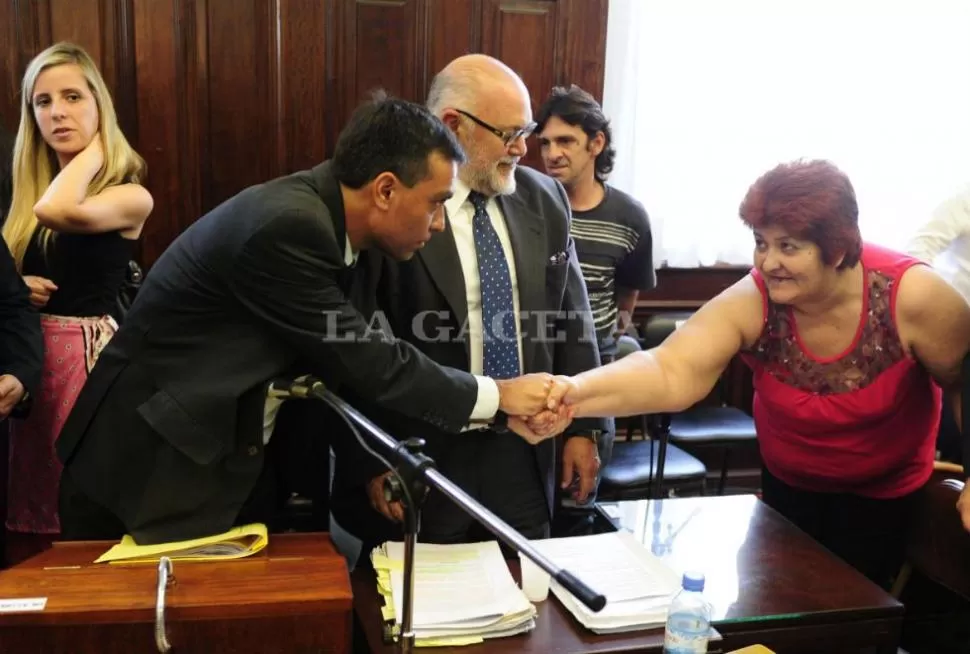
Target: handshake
(538, 404)
(538, 407)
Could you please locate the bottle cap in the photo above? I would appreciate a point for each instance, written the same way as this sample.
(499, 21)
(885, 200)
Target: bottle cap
(693, 581)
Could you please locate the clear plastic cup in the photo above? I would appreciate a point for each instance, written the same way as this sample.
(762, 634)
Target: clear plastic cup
(535, 580)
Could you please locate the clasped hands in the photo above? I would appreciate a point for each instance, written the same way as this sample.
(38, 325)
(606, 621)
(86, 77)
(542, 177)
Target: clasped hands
(538, 405)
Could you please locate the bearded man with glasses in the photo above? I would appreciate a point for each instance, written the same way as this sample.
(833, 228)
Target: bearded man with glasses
(500, 291)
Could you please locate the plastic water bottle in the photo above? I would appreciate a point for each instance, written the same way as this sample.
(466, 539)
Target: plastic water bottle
(689, 618)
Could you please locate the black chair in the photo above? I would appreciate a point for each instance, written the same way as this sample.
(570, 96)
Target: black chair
(641, 469)
(700, 428)
(937, 544)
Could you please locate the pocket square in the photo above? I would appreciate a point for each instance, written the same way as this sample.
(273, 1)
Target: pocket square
(559, 258)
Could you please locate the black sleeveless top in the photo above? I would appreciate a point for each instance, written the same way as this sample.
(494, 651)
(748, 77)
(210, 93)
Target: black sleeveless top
(88, 270)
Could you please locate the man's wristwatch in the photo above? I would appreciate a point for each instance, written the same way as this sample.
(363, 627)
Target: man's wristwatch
(500, 423)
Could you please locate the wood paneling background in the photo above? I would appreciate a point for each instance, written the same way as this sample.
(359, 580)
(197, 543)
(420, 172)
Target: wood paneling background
(218, 95)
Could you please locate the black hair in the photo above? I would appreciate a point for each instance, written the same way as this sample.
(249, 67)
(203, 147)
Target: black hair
(391, 135)
(576, 107)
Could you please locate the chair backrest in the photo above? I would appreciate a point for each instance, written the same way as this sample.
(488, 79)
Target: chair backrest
(938, 545)
(661, 325)
(965, 402)
(129, 288)
(626, 345)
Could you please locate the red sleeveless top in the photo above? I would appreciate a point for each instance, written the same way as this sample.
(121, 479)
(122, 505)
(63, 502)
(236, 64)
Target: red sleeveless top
(862, 422)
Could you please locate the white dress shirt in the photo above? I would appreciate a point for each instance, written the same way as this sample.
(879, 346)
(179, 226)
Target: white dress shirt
(944, 242)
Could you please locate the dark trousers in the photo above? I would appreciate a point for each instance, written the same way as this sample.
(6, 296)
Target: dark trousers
(868, 534)
(84, 519)
(498, 470)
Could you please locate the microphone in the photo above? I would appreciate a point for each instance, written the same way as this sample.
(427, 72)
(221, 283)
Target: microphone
(295, 389)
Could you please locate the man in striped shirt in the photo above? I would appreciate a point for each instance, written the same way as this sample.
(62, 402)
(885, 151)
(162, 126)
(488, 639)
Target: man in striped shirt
(610, 228)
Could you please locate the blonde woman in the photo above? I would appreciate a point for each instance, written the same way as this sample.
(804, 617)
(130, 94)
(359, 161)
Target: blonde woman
(75, 217)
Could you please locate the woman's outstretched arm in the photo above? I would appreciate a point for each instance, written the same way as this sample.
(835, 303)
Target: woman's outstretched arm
(678, 373)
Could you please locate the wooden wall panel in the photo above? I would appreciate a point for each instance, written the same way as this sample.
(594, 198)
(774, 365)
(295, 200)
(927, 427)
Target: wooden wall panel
(454, 29)
(15, 39)
(217, 95)
(241, 110)
(162, 100)
(78, 21)
(307, 83)
(25, 27)
(10, 68)
(381, 44)
(581, 50)
(522, 33)
(117, 61)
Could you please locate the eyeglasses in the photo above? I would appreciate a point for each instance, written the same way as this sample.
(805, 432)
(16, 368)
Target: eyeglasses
(508, 137)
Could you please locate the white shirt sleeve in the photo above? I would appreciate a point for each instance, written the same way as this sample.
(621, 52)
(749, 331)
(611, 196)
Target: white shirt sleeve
(949, 221)
(488, 399)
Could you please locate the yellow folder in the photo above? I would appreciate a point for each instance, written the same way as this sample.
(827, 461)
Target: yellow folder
(236, 543)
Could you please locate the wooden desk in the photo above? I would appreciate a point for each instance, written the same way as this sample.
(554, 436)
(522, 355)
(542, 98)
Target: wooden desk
(768, 582)
(294, 596)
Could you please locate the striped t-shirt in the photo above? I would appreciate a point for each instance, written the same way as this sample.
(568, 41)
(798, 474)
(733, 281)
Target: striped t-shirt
(615, 250)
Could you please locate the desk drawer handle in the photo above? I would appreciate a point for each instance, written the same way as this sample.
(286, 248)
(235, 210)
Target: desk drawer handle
(166, 578)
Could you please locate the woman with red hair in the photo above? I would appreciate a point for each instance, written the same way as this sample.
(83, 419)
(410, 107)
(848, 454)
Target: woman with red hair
(849, 344)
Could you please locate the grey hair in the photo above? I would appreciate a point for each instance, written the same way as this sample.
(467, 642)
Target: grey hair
(457, 89)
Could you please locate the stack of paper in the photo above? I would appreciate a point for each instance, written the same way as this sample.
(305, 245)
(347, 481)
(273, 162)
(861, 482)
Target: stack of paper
(234, 544)
(462, 593)
(638, 586)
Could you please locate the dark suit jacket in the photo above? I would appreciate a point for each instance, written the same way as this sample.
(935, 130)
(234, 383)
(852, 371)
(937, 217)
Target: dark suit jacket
(167, 431)
(21, 344)
(429, 291)
(6, 173)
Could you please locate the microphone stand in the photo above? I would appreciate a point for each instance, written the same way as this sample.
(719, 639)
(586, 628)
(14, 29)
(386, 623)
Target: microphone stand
(416, 471)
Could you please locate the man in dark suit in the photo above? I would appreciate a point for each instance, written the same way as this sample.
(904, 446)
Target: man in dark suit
(21, 357)
(499, 293)
(168, 439)
(21, 344)
(6, 173)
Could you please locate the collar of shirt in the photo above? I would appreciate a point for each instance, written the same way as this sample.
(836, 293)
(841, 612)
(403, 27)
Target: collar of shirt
(350, 257)
(454, 204)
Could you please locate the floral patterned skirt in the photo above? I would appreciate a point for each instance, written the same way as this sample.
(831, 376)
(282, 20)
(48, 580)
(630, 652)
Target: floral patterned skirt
(71, 347)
